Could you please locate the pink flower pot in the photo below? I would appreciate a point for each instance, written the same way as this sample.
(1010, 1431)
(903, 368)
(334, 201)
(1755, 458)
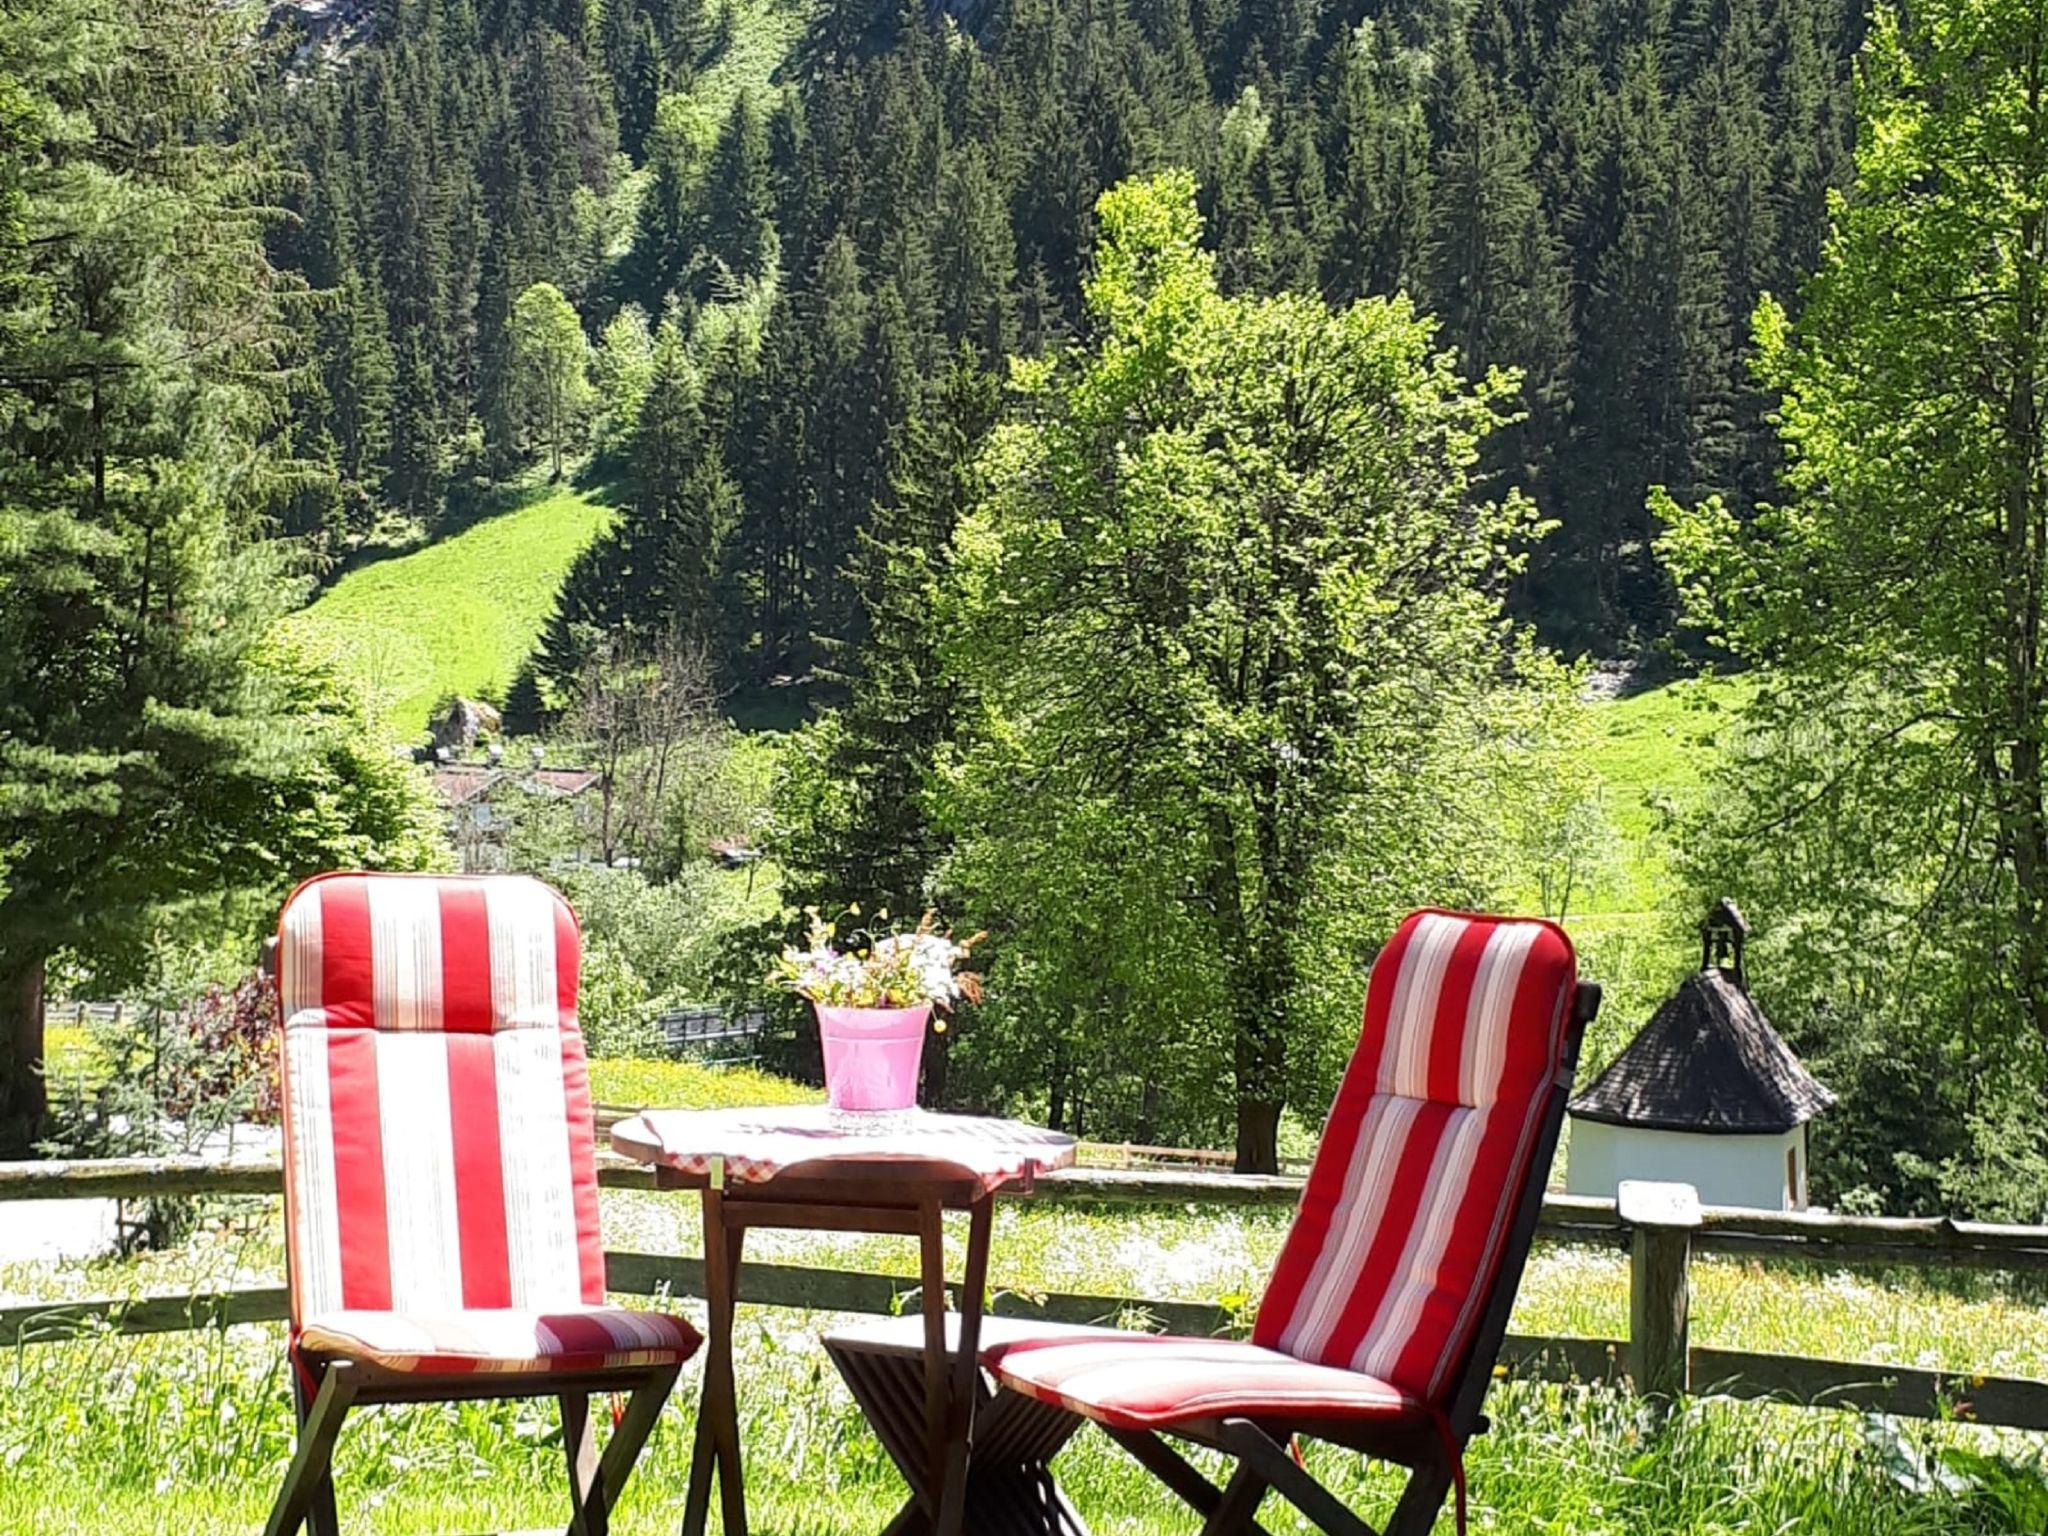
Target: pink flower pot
(872, 1055)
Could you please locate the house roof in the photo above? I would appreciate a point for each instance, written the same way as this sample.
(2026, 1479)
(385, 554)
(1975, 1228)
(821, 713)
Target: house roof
(1708, 1061)
(565, 781)
(460, 783)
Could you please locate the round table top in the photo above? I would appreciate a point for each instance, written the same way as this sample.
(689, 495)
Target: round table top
(752, 1146)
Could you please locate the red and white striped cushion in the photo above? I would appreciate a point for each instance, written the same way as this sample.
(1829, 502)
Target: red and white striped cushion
(439, 1143)
(1393, 1253)
(1152, 1381)
(501, 1339)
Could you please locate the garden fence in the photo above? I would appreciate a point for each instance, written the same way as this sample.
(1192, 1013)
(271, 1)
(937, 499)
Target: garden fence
(712, 1034)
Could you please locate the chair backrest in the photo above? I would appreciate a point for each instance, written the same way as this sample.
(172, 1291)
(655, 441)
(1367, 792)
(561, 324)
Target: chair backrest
(1425, 1161)
(439, 1146)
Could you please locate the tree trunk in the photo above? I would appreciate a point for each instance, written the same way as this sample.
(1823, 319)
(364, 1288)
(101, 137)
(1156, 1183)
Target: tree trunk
(1258, 1046)
(1056, 1090)
(22, 1097)
(1258, 1135)
(1259, 1054)
(2026, 815)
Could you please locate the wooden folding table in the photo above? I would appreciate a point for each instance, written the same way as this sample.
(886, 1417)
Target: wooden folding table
(812, 1168)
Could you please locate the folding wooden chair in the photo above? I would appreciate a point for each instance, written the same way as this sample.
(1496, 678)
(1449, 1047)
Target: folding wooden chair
(440, 1177)
(1384, 1315)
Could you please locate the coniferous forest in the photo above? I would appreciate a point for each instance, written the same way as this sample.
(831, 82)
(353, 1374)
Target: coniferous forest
(1592, 194)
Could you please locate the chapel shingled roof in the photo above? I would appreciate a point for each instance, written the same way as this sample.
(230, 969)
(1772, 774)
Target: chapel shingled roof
(1707, 1061)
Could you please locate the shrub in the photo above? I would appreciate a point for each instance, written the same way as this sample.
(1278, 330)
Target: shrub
(614, 1006)
(173, 1076)
(224, 1064)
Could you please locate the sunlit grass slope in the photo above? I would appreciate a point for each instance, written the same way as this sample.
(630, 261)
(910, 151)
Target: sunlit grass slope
(1652, 749)
(456, 617)
(1651, 753)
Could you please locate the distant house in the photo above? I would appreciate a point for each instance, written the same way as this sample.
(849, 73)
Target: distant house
(1708, 1094)
(484, 801)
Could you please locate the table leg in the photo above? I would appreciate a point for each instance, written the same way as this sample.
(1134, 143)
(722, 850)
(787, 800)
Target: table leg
(966, 1384)
(717, 1448)
(931, 1228)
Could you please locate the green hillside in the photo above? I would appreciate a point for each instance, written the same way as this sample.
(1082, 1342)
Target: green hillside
(1651, 748)
(456, 617)
(1650, 751)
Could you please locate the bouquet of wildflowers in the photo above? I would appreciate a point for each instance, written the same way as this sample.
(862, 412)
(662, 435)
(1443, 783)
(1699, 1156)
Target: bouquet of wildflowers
(900, 970)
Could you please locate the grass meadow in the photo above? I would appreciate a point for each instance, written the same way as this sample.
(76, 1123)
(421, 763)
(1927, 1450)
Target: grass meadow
(458, 616)
(185, 1434)
(188, 1433)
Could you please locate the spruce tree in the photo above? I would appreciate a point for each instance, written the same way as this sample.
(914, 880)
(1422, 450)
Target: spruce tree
(771, 435)
(1380, 177)
(357, 375)
(150, 768)
(1628, 387)
(976, 257)
(877, 842)
(1296, 208)
(652, 577)
(415, 470)
(664, 237)
(1497, 277)
(638, 88)
(1732, 135)
(846, 429)
(682, 506)
(737, 233)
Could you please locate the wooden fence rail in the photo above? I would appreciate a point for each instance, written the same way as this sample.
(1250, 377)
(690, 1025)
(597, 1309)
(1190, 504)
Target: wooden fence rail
(1660, 1236)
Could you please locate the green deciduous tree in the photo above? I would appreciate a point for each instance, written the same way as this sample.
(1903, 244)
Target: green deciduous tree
(1887, 804)
(551, 360)
(621, 371)
(1233, 625)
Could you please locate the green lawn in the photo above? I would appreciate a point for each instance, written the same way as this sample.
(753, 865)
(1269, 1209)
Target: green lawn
(188, 1433)
(1650, 752)
(455, 617)
(626, 1083)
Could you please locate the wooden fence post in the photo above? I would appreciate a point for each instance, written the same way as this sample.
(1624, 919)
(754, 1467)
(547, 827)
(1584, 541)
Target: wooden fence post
(1661, 1220)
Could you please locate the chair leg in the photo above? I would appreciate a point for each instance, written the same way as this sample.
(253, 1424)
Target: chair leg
(308, 1473)
(1421, 1501)
(622, 1451)
(1233, 1513)
(1261, 1451)
(321, 1518)
(587, 1514)
(1174, 1470)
